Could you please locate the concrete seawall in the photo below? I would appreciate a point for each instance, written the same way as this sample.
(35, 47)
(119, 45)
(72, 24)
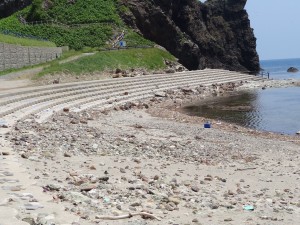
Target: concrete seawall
(16, 56)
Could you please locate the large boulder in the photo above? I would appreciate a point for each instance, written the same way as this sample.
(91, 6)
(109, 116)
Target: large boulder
(292, 70)
(214, 34)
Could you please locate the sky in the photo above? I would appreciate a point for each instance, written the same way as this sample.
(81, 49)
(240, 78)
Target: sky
(276, 25)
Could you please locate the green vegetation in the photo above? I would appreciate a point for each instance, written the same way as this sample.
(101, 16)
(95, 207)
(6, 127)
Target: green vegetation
(84, 23)
(25, 41)
(80, 12)
(149, 58)
(84, 26)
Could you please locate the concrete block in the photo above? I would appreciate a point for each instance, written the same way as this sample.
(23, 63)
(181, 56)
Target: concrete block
(1, 48)
(1, 58)
(15, 56)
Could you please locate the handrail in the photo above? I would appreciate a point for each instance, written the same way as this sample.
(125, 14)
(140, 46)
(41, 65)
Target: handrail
(261, 73)
(69, 25)
(20, 35)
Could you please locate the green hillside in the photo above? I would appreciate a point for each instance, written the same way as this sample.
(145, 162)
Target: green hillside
(149, 58)
(77, 24)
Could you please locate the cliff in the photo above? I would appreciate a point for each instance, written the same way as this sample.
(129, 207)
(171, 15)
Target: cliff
(8, 7)
(214, 34)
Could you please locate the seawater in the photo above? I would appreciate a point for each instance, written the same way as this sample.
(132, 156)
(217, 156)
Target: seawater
(278, 68)
(274, 109)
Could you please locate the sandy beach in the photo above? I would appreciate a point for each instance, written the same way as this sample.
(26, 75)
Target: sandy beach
(147, 163)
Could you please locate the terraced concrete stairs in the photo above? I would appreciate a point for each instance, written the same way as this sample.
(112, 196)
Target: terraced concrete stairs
(45, 100)
(104, 93)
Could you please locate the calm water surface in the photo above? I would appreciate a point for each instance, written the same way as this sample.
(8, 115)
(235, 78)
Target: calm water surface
(273, 109)
(278, 68)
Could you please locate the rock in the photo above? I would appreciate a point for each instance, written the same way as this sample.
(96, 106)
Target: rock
(56, 81)
(16, 188)
(87, 187)
(228, 219)
(8, 7)
(292, 70)
(77, 197)
(204, 35)
(33, 206)
(180, 68)
(122, 170)
(135, 204)
(66, 109)
(208, 178)
(195, 188)
(187, 90)
(93, 167)
(103, 178)
(118, 70)
(170, 70)
(45, 219)
(174, 200)
(214, 205)
(54, 187)
(29, 220)
(4, 153)
(160, 94)
(169, 207)
(24, 155)
(156, 177)
(67, 154)
(8, 174)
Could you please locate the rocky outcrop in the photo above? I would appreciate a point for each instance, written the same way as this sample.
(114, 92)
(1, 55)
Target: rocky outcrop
(292, 70)
(8, 7)
(214, 34)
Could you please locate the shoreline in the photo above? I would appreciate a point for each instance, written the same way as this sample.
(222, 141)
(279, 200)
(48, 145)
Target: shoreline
(145, 156)
(175, 103)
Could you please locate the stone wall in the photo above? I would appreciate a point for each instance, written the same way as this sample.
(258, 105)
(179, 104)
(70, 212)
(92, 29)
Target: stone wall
(16, 56)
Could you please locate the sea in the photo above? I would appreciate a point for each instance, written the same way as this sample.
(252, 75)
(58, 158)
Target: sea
(273, 109)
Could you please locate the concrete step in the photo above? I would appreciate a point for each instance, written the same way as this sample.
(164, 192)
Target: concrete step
(117, 98)
(106, 93)
(12, 107)
(52, 88)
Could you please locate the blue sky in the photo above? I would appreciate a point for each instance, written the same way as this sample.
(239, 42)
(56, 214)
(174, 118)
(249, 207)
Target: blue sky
(276, 26)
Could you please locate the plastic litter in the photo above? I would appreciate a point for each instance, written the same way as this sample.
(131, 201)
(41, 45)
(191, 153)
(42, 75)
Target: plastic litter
(248, 207)
(207, 125)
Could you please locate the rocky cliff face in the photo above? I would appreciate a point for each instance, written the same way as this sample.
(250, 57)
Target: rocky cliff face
(8, 7)
(214, 34)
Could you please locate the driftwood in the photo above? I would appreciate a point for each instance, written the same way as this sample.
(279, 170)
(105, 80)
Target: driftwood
(143, 214)
(243, 169)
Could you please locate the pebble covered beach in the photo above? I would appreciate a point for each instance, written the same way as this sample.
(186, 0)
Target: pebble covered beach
(147, 163)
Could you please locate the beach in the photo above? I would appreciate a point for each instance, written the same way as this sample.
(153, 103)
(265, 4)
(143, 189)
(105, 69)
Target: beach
(148, 157)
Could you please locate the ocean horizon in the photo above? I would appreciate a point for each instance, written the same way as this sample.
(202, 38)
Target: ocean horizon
(278, 68)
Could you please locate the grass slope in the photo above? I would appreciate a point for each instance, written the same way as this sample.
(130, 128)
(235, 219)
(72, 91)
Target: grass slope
(90, 23)
(24, 41)
(151, 59)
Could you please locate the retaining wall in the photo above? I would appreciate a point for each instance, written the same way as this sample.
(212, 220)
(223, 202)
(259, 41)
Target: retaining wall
(16, 56)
